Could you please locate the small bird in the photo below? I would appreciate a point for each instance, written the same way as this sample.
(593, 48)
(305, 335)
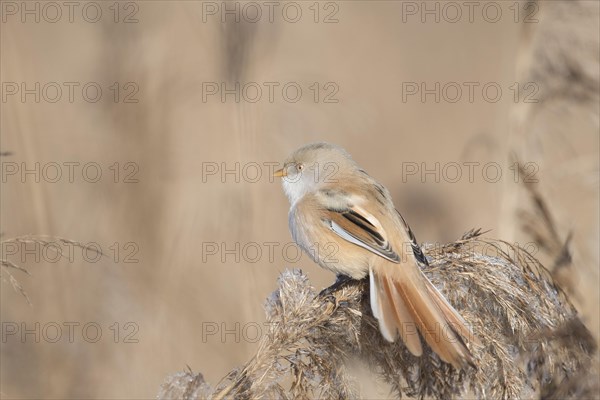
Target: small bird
(347, 223)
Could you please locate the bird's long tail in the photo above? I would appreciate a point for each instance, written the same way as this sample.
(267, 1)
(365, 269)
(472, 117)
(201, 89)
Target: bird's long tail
(405, 302)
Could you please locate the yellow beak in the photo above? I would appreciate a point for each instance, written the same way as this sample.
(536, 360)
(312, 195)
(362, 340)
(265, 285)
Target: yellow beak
(280, 173)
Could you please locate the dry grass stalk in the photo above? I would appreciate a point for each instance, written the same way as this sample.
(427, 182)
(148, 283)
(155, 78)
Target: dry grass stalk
(534, 343)
(538, 223)
(48, 242)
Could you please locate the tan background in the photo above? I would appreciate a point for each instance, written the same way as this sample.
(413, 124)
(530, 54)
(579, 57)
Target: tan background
(171, 133)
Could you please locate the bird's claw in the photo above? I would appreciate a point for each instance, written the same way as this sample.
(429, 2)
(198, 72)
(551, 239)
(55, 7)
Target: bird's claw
(340, 282)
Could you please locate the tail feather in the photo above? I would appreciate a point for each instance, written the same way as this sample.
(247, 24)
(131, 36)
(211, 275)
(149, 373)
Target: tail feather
(403, 320)
(452, 316)
(429, 320)
(403, 297)
(375, 303)
(381, 309)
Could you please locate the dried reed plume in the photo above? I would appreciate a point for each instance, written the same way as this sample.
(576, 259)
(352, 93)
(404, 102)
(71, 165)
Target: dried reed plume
(534, 343)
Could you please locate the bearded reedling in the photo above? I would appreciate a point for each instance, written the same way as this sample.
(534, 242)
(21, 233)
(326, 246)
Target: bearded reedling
(334, 201)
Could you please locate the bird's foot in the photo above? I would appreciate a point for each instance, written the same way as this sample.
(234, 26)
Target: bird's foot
(340, 282)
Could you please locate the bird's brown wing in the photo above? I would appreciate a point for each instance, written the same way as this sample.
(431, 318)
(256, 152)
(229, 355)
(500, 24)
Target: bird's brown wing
(402, 298)
(358, 226)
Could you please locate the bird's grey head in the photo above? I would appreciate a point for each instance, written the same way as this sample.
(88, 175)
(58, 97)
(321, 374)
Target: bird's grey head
(312, 167)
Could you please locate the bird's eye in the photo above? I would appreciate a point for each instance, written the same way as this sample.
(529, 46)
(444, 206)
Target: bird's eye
(300, 167)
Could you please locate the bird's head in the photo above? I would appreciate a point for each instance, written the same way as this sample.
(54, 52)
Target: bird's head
(312, 167)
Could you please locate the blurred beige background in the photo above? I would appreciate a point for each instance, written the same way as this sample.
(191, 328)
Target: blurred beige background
(176, 131)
